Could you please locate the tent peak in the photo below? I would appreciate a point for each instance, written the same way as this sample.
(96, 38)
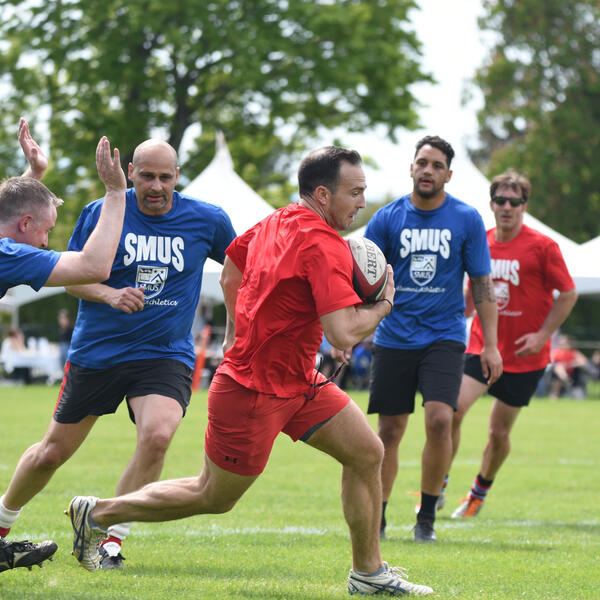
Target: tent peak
(222, 154)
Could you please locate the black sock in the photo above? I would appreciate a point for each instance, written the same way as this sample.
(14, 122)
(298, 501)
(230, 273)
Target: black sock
(383, 522)
(484, 482)
(427, 510)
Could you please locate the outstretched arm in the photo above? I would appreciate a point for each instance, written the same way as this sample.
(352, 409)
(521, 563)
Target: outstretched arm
(127, 299)
(94, 262)
(38, 163)
(484, 300)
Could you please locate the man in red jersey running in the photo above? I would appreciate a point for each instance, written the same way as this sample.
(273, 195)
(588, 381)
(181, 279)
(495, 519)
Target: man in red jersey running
(527, 267)
(286, 281)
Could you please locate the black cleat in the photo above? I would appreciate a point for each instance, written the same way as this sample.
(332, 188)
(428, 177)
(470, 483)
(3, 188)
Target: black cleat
(110, 562)
(24, 553)
(424, 531)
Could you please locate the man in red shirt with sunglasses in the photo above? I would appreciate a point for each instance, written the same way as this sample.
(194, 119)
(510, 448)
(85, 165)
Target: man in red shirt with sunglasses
(527, 267)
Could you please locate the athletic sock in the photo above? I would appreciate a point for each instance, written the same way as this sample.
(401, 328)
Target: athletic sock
(112, 545)
(481, 487)
(445, 484)
(427, 510)
(120, 530)
(365, 574)
(7, 518)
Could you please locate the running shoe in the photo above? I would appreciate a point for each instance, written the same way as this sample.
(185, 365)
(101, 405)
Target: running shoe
(108, 561)
(424, 531)
(391, 581)
(86, 537)
(469, 507)
(24, 553)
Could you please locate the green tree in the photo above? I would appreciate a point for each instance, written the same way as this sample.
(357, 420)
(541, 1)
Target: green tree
(541, 88)
(269, 73)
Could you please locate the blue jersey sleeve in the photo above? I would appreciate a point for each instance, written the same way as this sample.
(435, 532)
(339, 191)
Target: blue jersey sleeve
(476, 253)
(23, 264)
(376, 232)
(224, 235)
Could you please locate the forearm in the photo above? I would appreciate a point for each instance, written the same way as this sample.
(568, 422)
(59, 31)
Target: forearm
(485, 304)
(560, 310)
(94, 292)
(346, 327)
(35, 174)
(230, 281)
(100, 249)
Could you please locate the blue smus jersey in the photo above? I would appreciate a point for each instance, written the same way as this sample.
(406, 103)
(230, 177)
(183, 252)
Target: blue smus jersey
(165, 254)
(24, 264)
(429, 250)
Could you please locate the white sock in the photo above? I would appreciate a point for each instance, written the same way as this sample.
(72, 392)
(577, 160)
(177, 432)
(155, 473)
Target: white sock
(112, 548)
(120, 530)
(8, 517)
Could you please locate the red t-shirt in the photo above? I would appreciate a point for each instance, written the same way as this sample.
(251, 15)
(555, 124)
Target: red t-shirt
(295, 269)
(526, 271)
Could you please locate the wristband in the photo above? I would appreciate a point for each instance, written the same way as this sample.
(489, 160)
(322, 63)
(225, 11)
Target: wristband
(386, 300)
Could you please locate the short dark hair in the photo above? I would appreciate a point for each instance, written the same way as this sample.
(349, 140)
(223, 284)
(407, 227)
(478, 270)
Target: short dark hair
(22, 195)
(322, 167)
(514, 180)
(437, 142)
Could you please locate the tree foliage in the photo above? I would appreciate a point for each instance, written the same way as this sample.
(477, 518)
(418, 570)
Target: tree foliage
(268, 73)
(541, 87)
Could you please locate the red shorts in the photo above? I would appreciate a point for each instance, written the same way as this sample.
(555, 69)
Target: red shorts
(243, 423)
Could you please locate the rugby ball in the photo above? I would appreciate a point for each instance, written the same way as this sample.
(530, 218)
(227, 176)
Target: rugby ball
(369, 272)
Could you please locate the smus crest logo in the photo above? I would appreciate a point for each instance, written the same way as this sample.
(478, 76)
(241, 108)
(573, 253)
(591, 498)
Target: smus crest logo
(152, 279)
(502, 291)
(423, 268)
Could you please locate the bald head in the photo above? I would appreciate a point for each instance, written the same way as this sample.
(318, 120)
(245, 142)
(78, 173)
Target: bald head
(155, 147)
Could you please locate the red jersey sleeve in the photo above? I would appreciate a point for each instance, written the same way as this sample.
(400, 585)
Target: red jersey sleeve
(557, 275)
(238, 249)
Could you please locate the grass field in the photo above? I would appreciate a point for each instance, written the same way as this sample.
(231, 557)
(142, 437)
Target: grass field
(537, 537)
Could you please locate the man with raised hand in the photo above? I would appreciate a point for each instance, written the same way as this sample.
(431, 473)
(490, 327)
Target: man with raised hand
(132, 337)
(27, 214)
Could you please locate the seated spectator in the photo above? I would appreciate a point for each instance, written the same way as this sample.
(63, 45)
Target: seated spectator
(65, 332)
(14, 344)
(568, 370)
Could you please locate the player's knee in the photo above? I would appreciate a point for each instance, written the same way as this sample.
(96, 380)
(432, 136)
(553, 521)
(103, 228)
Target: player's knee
(156, 441)
(48, 456)
(391, 432)
(369, 455)
(499, 436)
(438, 426)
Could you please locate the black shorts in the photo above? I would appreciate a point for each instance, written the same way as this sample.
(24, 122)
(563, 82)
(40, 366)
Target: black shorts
(396, 375)
(514, 389)
(100, 391)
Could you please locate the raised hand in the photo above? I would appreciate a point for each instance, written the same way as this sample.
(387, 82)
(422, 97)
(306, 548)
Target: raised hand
(38, 163)
(109, 167)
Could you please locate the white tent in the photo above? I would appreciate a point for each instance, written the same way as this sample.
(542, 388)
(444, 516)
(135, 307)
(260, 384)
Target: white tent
(219, 184)
(23, 294)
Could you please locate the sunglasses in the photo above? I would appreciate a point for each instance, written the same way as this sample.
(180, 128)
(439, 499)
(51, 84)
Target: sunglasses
(501, 200)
